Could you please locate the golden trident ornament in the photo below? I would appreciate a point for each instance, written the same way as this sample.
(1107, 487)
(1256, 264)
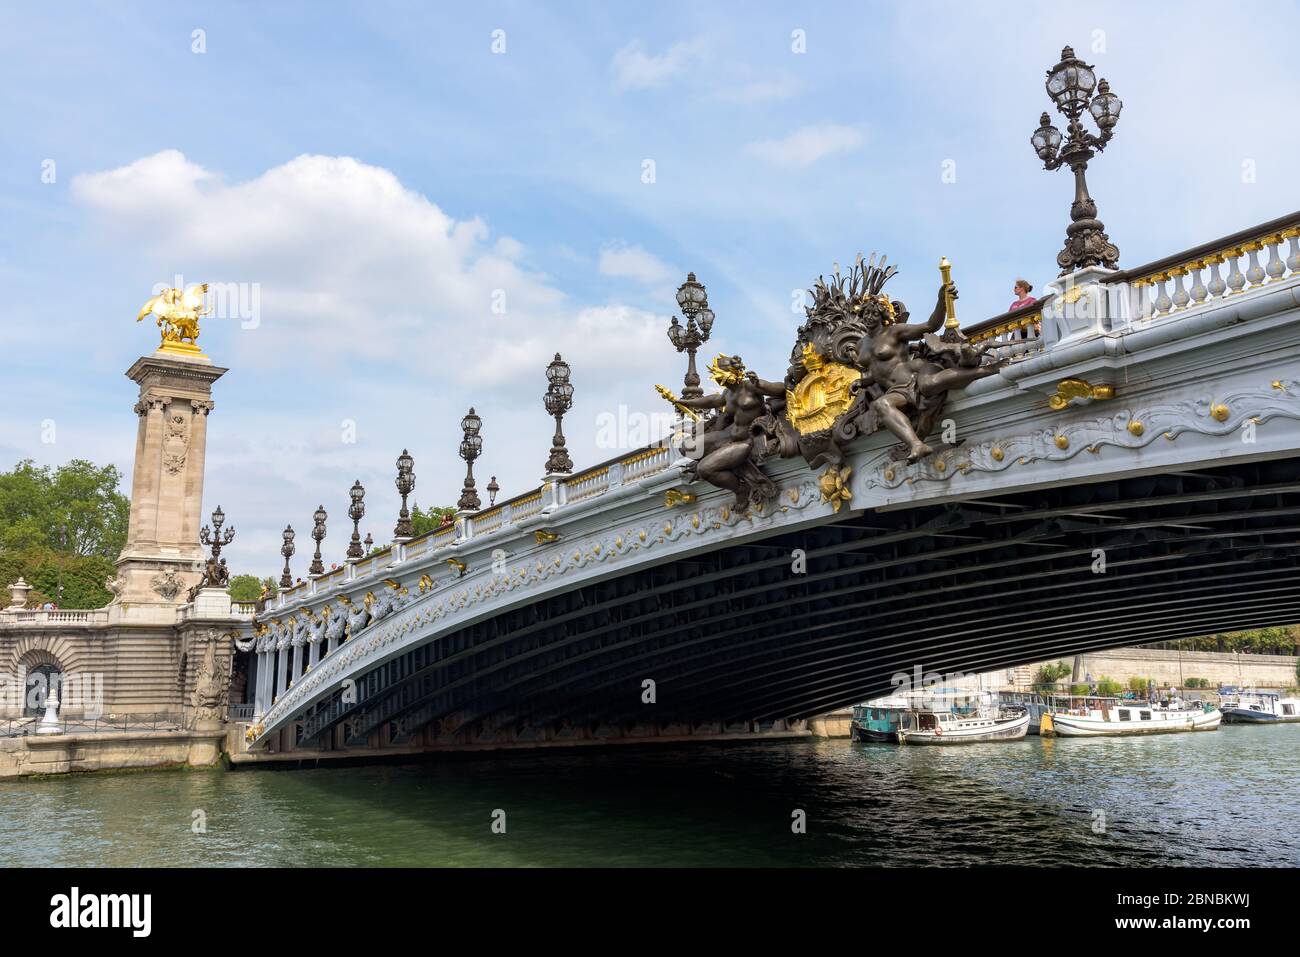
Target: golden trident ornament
(950, 308)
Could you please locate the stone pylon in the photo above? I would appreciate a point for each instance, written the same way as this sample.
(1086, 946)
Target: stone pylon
(162, 558)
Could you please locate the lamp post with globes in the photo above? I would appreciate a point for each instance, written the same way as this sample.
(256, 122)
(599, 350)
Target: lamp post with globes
(558, 399)
(405, 485)
(693, 300)
(1074, 88)
(287, 550)
(356, 512)
(317, 567)
(470, 447)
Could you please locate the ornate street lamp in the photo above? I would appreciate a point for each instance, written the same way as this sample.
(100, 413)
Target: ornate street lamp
(405, 485)
(1073, 88)
(694, 303)
(492, 489)
(318, 533)
(214, 537)
(356, 511)
(558, 400)
(215, 574)
(470, 447)
(369, 543)
(287, 550)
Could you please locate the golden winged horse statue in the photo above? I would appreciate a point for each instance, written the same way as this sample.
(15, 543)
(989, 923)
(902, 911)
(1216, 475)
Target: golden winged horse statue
(177, 314)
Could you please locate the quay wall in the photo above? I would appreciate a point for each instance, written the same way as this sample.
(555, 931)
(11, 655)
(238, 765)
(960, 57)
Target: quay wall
(1174, 667)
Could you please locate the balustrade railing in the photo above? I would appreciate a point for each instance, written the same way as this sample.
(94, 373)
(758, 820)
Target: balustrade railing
(1013, 335)
(587, 484)
(489, 520)
(1246, 260)
(38, 616)
(524, 507)
(647, 462)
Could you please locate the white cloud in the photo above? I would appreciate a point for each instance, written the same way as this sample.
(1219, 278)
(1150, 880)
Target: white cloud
(633, 262)
(350, 263)
(806, 146)
(634, 69)
(376, 309)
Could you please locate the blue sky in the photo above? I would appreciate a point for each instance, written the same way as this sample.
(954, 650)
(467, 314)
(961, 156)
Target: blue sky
(382, 178)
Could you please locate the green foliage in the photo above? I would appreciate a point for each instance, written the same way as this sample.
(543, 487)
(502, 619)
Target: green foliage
(426, 520)
(1050, 673)
(1080, 688)
(62, 525)
(1137, 683)
(38, 504)
(1276, 640)
(245, 588)
(83, 576)
(1196, 683)
(1109, 687)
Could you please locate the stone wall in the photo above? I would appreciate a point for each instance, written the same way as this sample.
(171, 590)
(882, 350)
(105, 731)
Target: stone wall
(62, 753)
(106, 669)
(1174, 667)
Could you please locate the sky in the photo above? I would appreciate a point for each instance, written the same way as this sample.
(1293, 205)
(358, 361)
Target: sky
(414, 206)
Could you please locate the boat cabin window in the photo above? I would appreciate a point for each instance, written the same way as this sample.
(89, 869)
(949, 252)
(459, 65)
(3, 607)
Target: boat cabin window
(1146, 715)
(1288, 709)
(1125, 714)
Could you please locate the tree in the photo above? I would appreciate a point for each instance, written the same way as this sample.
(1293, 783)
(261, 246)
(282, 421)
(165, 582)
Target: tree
(75, 508)
(245, 588)
(61, 529)
(82, 576)
(426, 521)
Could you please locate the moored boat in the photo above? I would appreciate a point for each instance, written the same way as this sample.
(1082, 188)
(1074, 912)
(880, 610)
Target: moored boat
(947, 728)
(1260, 707)
(1111, 717)
(879, 719)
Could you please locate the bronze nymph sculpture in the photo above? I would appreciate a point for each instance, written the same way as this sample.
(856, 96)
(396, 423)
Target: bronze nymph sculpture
(857, 365)
(914, 380)
(732, 442)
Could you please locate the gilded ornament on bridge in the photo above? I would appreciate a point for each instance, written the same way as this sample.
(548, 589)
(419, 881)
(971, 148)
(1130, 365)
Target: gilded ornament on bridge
(177, 314)
(822, 395)
(858, 365)
(1070, 389)
(834, 486)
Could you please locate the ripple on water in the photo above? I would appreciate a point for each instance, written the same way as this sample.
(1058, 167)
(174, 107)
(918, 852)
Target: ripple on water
(1226, 797)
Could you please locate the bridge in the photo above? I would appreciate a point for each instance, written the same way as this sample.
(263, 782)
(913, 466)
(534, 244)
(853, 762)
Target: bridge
(1127, 474)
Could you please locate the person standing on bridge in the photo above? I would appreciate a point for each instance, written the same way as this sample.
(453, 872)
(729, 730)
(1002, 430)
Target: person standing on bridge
(1022, 291)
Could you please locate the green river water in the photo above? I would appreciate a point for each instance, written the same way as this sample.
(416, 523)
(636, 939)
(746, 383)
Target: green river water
(1223, 798)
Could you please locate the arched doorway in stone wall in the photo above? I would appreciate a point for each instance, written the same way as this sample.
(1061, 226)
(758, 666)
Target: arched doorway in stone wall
(41, 672)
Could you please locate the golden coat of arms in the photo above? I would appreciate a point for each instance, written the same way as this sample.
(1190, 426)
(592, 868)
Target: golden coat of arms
(822, 395)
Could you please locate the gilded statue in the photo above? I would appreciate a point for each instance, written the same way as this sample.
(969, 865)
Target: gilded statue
(177, 314)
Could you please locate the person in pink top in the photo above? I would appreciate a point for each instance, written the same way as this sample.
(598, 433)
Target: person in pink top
(1023, 289)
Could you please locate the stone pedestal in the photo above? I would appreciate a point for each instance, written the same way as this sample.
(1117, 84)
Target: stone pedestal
(211, 603)
(162, 558)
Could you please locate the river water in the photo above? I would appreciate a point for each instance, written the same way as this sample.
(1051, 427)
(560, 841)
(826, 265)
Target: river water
(1222, 798)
